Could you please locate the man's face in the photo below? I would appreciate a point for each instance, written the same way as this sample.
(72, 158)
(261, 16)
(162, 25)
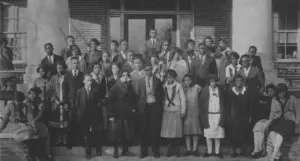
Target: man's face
(202, 49)
(93, 45)
(59, 69)
(49, 49)
(105, 57)
(191, 46)
(130, 56)
(252, 52)
(239, 82)
(88, 81)
(246, 62)
(124, 45)
(74, 51)
(70, 41)
(75, 64)
(165, 45)
(233, 60)
(153, 34)
(125, 76)
(96, 69)
(138, 64)
(271, 92)
(115, 69)
(113, 46)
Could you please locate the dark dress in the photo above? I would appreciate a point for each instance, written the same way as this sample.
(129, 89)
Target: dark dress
(238, 114)
(6, 59)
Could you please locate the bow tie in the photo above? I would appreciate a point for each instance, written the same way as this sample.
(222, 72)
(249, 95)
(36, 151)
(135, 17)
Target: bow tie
(214, 94)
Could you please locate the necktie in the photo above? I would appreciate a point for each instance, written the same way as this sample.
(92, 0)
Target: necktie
(153, 42)
(49, 57)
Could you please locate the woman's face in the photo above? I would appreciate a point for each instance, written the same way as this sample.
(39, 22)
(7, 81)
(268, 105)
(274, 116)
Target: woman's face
(32, 95)
(208, 42)
(218, 50)
(113, 47)
(176, 56)
(75, 51)
(234, 60)
(239, 82)
(138, 64)
(170, 79)
(96, 69)
(42, 72)
(93, 45)
(281, 94)
(124, 45)
(105, 57)
(213, 84)
(246, 62)
(222, 44)
(187, 81)
(125, 76)
(59, 69)
(165, 45)
(115, 69)
(271, 92)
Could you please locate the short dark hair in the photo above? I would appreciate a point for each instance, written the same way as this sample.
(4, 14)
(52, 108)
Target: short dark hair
(42, 66)
(235, 55)
(126, 71)
(172, 73)
(62, 63)
(116, 64)
(152, 29)
(97, 42)
(253, 47)
(115, 42)
(175, 50)
(202, 44)
(213, 77)
(190, 41)
(121, 41)
(210, 38)
(94, 64)
(189, 76)
(138, 56)
(238, 76)
(48, 44)
(270, 86)
(75, 46)
(70, 37)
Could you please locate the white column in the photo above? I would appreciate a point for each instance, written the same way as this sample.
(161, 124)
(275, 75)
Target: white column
(252, 24)
(47, 22)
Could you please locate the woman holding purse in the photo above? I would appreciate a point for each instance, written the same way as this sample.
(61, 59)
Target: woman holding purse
(21, 116)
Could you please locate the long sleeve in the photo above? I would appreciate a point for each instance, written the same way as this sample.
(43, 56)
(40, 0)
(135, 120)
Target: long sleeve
(273, 111)
(182, 99)
(111, 102)
(6, 116)
(297, 111)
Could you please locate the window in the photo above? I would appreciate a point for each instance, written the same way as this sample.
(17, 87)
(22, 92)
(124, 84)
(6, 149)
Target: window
(285, 29)
(115, 28)
(14, 29)
(185, 5)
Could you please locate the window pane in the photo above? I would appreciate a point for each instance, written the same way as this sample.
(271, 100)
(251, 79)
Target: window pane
(292, 37)
(22, 25)
(165, 30)
(21, 12)
(137, 34)
(115, 28)
(17, 42)
(9, 25)
(292, 21)
(8, 11)
(186, 27)
(185, 5)
(291, 52)
(282, 37)
(150, 4)
(281, 22)
(115, 4)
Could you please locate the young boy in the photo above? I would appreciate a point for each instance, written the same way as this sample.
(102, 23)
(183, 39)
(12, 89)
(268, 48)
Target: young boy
(89, 115)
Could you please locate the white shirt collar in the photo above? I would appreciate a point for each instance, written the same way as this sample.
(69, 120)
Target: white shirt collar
(237, 93)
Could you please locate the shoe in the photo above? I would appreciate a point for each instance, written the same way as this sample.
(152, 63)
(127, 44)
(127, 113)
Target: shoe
(156, 155)
(234, 155)
(177, 152)
(219, 155)
(187, 153)
(116, 153)
(256, 154)
(143, 155)
(207, 155)
(128, 154)
(196, 153)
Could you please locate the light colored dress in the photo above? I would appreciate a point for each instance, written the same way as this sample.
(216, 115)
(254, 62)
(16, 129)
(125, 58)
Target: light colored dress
(192, 125)
(214, 131)
(172, 125)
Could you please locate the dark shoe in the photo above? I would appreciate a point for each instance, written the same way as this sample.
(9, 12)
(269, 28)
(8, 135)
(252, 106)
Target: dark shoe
(187, 153)
(143, 156)
(196, 153)
(234, 155)
(219, 155)
(256, 154)
(116, 153)
(156, 155)
(128, 154)
(99, 151)
(207, 155)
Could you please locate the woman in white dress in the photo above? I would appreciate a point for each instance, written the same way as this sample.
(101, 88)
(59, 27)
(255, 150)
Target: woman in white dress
(212, 115)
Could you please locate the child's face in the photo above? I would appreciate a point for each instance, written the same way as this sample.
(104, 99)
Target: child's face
(113, 46)
(93, 45)
(32, 95)
(271, 92)
(138, 64)
(124, 45)
(59, 69)
(252, 52)
(208, 42)
(170, 79)
(42, 72)
(191, 46)
(222, 44)
(125, 77)
(88, 81)
(115, 69)
(213, 84)
(233, 60)
(74, 51)
(96, 69)
(218, 50)
(239, 82)
(130, 56)
(176, 56)
(105, 57)
(187, 81)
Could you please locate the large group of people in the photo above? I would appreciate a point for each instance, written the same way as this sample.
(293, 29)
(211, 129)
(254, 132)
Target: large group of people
(164, 92)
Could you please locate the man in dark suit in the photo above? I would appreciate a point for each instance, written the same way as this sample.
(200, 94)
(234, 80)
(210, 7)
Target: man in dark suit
(73, 82)
(151, 95)
(122, 55)
(189, 54)
(255, 60)
(89, 115)
(203, 66)
(51, 59)
(153, 45)
(66, 52)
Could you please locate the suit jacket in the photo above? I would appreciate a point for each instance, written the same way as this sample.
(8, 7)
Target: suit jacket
(201, 72)
(186, 58)
(204, 106)
(151, 49)
(56, 58)
(256, 62)
(122, 101)
(72, 84)
(254, 79)
(222, 70)
(88, 112)
(158, 93)
(119, 59)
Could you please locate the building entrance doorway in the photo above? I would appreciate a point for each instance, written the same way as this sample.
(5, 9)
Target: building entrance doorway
(137, 28)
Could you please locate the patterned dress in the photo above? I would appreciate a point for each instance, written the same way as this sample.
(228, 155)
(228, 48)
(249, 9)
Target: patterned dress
(192, 125)
(214, 131)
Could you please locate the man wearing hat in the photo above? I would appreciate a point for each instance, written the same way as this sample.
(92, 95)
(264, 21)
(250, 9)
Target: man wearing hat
(151, 94)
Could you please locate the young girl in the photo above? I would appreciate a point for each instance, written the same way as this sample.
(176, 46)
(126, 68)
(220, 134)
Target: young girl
(192, 126)
(76, 52)
(178, 64)
(111, 80)
(212, 115)
(174, 111)
(238, 115)
(59, 114)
